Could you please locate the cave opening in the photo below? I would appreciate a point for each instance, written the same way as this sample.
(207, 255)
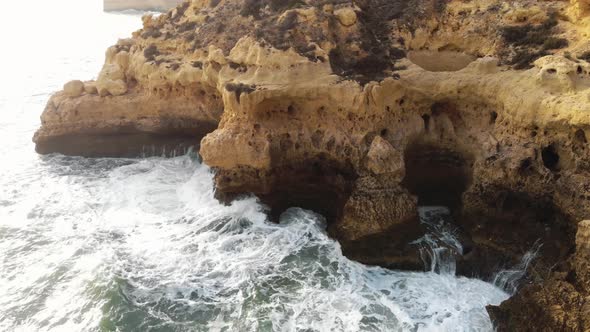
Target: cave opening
(437, 173)
(550, 158)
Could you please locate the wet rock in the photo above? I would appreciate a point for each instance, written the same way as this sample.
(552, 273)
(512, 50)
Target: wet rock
(554, 306)
(379, 222)
(559, 303)
(376, 204)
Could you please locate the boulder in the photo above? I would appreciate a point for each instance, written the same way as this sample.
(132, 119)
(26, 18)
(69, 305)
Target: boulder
(383, 158)
(74, 88)
(346, 16)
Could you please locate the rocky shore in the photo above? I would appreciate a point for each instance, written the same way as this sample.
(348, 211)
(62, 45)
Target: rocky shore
(363, 110)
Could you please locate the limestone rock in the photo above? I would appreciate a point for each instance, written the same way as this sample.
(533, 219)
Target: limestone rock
(579, 8)
(111, 72)
(107, 87)
(111, 80)
(90, 87)
(583, 240)
(532, 14)
(485, 65)
(547, 308)
(74, 88)
(376, 205)
(346, 16)
(562, 74)
(379, 222)
(385, 159)
(582, 258)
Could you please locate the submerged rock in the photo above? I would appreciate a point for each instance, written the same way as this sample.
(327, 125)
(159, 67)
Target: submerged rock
(314, 104)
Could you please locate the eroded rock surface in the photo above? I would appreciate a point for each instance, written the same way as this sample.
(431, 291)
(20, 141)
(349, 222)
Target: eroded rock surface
(315, 104)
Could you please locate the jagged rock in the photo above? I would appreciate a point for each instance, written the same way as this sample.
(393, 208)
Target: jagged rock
(383, 158)
(560, 303)
(378, 223)
(378, 204)
(111, 80)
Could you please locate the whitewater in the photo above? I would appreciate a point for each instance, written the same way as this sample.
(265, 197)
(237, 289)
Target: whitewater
(142, 245)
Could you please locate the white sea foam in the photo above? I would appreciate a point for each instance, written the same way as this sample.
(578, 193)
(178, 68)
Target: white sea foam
(509, 279)
(134, 244)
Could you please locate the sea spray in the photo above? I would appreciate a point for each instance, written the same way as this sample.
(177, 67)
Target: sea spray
(510, 279)
(440, 245)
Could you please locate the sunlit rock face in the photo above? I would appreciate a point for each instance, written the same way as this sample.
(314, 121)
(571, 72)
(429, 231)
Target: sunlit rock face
(315, 104)
(114, 5)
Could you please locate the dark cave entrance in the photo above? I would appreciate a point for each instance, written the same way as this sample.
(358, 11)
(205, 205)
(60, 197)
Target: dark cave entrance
(437, 174)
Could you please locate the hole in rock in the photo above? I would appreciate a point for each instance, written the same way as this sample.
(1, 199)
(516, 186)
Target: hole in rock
(580, 136)
(550, 158)
(493, 117)
(440, 60)
(437, 173)
(426, 119)
(525, 167)
(319, 184)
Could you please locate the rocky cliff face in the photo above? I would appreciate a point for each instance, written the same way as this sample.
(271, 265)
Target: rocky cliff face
(362, 110)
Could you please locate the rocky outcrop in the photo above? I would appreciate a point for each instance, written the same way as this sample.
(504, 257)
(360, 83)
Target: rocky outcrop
(114, 5)
(135, 106)
(559, 303)
(315, 104)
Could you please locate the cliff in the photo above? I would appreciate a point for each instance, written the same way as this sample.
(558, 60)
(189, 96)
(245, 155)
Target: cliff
(361, 110)
(115, 5)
